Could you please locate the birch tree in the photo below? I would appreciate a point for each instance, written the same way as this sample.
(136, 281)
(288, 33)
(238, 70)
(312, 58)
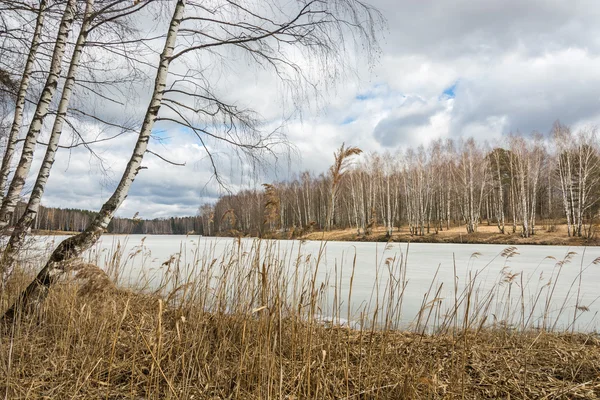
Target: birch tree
(528, 155)
(520, 168)
(20, 229)
(562, 138)
(315, 27)
(41, 111)
(498, 161)
(19, 106)
(588, 175)
(578, 168)
(390, 202)
(105, 11)
(537, 156)
(74, 246)
(471, 175)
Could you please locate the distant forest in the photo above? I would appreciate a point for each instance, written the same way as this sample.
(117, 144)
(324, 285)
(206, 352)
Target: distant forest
(75, 220)
(515, 185)
(527, 179)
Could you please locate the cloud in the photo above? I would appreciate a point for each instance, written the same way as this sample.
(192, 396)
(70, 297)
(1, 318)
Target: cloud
(160, 190)
(408, 124)
(448, 69)
(529, 93)
(448, 29)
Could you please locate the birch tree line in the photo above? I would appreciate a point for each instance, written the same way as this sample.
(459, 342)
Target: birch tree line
(527, 182)
(516, 185)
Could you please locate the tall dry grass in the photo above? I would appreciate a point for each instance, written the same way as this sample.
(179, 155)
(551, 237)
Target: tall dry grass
(258, 323)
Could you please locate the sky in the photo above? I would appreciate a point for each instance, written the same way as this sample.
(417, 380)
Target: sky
(447, 69)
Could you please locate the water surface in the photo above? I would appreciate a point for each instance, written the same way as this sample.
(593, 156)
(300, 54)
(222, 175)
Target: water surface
(529, 284)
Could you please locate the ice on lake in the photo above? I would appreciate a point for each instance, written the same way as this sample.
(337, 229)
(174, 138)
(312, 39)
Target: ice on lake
(430, 276)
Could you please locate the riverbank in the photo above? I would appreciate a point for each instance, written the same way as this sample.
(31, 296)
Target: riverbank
(236, 325)
(555, 235)
(125, 345)
(42, 232)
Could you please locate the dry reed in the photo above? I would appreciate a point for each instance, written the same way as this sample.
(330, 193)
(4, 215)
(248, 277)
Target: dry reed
(249, 325)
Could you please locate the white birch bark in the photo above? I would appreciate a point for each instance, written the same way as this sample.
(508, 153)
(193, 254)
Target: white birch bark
(76, 245)
(20, 230)
(500, 205)
(20, 101)
(389, 207)
(472, 223)
(354, 202)
(588, 175)
(564, 172)
(524, 208)
(362, 205)
(18, 181)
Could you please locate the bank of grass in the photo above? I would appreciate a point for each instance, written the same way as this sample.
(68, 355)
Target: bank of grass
(45, 232)
(546, 234)
(242, 326)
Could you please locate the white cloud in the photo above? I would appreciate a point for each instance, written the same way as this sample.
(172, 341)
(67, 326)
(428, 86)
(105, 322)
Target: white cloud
(515, 65)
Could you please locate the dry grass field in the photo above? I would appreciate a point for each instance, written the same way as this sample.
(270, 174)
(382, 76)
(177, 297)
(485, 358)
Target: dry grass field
(238, 327)
(545, 235)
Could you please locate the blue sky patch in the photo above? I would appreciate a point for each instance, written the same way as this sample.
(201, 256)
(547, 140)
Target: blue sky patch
(377, 90)
(365, 96)
(450, 92)
(161, 136)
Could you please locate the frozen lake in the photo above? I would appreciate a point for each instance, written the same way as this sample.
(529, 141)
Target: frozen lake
(524, 286)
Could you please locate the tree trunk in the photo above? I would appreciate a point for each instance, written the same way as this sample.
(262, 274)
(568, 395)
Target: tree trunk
(20, 230)
(500, 197)
(389, 209)
(524, 214)
(20, 101)
(12, 197)
(74, 246)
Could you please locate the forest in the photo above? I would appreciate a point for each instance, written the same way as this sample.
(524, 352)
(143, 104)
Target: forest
(75, 220)
(515, 185)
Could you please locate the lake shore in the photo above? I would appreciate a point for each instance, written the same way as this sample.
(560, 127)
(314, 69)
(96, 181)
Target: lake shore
(239, 328)
(123, 344)
(486, 234)
(555, 235)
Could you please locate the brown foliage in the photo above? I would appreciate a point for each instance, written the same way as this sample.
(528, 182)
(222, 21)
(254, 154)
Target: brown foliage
(272, 204)
(342, 158)
(243, 335)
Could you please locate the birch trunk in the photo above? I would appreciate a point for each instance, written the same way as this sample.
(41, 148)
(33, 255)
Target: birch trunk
(20, 101)
(74, 246)
(331, 210)
(16, 186)
(580, 187)
(524, 189)
(472, 223)
(354, 203)
(20, 230)
(448, 197)
(362, 206)
(571, 196)
(513, 193)
(389, 209)
(500, 194)
(563, 172)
